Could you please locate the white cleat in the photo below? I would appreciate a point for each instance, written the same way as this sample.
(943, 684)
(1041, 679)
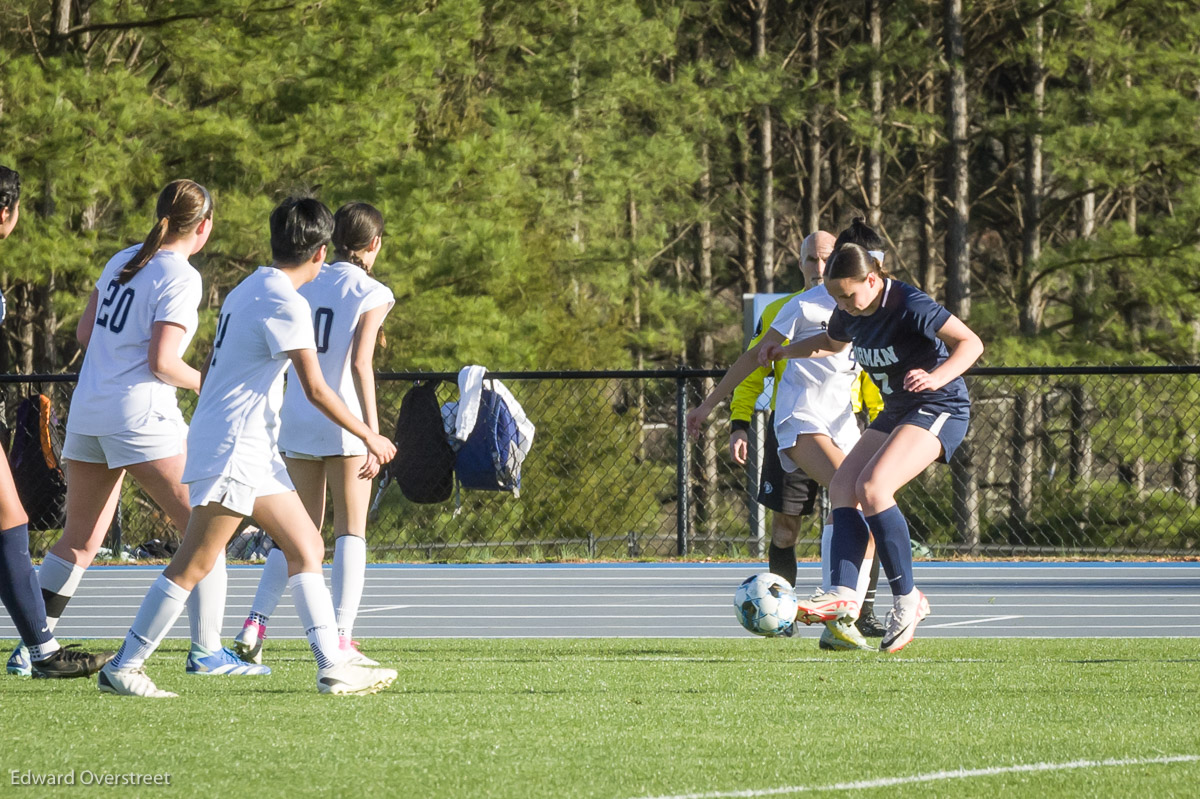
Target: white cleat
(351, 654)
(842, 634)
(129, 682)
(902, 620)
(249, 642)
(347, 678)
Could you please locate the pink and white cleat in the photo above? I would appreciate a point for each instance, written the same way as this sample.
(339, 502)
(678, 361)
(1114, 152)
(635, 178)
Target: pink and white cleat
(248, 643)
(351, 654)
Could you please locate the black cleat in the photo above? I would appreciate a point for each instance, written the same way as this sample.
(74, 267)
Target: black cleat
(70, 661)
(869, 626)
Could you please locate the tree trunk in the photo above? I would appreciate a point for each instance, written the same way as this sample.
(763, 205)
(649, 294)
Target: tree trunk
(1021, 488)
(639, 356)
(60, 22)
(958, 266)
(926, 264)
(766, 188)
(746, 208)
(1084, 320)
(1032, 302)
(1082, 454)
(875, 154)
(812, 131)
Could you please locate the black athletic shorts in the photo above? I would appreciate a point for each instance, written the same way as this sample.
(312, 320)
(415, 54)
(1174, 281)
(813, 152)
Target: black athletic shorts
(792, 493)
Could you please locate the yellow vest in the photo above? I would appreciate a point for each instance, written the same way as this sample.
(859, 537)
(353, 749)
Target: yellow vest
(741, 407)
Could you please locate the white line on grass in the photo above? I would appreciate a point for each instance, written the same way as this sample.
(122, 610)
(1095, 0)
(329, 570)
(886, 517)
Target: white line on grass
(886, 782)
(970, 621)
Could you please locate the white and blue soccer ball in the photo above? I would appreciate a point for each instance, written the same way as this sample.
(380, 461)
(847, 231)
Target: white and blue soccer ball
(765, 604)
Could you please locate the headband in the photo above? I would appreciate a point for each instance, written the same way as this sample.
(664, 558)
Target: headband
(876, 254)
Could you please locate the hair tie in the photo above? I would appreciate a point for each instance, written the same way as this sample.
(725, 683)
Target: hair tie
(876, 254)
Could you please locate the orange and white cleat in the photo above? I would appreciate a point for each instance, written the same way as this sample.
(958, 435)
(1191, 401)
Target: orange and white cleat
(823, 606)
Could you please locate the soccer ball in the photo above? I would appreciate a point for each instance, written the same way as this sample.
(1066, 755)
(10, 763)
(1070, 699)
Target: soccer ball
(765, 604)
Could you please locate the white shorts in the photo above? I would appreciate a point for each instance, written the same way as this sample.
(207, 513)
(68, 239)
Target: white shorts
(305, 456)
(158, 438)
(237, 496)
(843, 430)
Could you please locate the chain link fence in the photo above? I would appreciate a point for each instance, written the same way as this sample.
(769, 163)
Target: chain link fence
(1096, 462)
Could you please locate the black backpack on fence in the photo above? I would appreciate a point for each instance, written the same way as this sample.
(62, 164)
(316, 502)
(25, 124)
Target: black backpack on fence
(34, 461)
(424, 462)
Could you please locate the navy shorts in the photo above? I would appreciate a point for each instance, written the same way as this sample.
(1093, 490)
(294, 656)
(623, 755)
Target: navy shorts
(790, 493)
(947, 421)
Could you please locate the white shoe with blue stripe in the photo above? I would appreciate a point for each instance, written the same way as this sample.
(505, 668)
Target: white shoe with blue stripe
(19, 663)
(223, 662)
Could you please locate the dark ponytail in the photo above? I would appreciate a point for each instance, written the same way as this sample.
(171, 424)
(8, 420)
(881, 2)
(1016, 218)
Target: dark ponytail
(181, 206)
(860, 233)
(852, 261)
(355, 226)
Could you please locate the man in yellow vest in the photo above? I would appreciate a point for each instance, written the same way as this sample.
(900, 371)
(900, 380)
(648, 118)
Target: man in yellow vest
(792, 495)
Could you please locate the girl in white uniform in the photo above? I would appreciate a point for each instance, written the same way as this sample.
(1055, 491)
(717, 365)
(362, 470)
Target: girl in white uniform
(348, 308)
(234, 468)
(124, 416)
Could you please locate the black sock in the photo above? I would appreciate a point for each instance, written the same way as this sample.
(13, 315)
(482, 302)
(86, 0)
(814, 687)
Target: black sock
(783, 562)
(868, 605)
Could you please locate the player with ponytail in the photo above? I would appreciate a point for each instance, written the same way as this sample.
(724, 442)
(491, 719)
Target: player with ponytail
(348, 307)
(124, 414)
(916, 352)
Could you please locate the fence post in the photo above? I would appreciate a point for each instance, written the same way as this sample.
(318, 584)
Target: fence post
(682, 479)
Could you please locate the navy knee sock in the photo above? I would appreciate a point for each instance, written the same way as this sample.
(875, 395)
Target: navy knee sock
(19, 589)
(848, 547)
(782, 561)
(894, 548)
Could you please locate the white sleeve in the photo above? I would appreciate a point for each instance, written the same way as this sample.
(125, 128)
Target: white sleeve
(785, 321)
(377, 295)
(290, 328)
(179, 301)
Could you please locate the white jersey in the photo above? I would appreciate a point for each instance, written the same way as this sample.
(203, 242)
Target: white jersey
(116, 391)
(339, 296)
(813, 388)
(235, 426)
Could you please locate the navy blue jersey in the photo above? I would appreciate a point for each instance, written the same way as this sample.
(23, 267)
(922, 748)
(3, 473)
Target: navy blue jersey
(899, 337)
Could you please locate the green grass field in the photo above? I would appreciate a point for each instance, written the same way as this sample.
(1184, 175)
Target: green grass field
(632, 718)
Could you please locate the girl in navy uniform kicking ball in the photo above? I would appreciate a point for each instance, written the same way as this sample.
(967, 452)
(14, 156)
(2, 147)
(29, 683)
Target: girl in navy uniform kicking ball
(915, 351)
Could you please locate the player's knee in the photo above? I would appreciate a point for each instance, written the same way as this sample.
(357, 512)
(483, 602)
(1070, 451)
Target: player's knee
(873, 492)
(305, 556)
(842, 491)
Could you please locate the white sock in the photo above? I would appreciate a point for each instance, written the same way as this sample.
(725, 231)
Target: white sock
(315, 609)
(58, 576)
(155, 618)
(272, 583)
(206, 607)
(39, 652)
(864, 579)
(349, 574)
(826, 555)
